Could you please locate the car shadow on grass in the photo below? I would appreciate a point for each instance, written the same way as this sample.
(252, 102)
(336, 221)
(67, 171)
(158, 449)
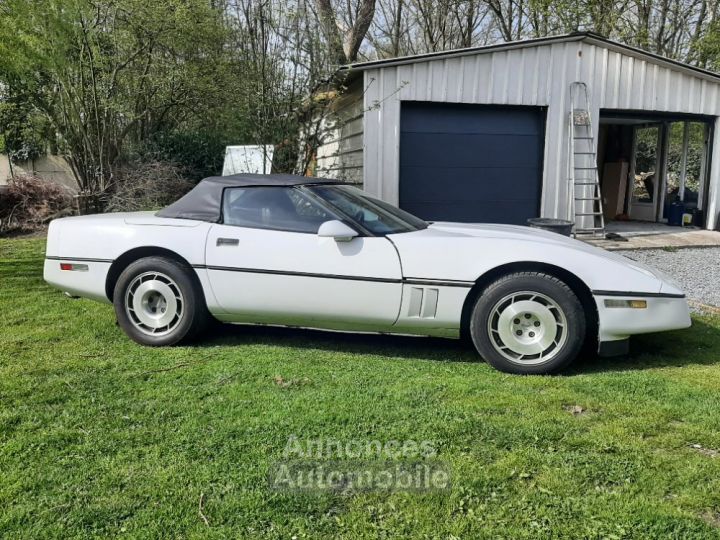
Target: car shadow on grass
(698, 345)
(412, 347)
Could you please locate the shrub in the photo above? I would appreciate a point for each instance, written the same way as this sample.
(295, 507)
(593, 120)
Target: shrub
(147, 186)
(28, 203)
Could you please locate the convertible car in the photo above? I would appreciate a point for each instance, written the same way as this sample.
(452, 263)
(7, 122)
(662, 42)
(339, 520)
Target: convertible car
(299, 251)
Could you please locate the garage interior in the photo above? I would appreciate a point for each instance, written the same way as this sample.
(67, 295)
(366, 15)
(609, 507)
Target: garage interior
(647, 163)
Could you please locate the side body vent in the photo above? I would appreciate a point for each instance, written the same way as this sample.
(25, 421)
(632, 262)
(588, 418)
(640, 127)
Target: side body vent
(423, 302)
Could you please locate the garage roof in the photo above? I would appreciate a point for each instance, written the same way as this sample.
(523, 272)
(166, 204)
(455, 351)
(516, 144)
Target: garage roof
(589, 37)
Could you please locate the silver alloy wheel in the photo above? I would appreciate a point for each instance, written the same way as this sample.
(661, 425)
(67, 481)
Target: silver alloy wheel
(154, 303)
(527, 327)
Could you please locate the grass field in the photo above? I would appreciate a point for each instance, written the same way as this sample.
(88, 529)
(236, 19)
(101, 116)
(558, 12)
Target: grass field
(100, 437)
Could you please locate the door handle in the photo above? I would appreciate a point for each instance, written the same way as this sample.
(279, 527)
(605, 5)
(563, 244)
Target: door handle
(227, 242)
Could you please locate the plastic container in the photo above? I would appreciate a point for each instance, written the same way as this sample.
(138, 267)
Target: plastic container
(559, 226)
(675, 213)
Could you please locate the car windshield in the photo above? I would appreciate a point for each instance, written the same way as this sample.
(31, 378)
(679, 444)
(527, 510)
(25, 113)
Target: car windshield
(376, 216)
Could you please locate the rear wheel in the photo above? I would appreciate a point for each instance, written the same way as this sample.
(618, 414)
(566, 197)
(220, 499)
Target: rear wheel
(158, 302)
(528, 323)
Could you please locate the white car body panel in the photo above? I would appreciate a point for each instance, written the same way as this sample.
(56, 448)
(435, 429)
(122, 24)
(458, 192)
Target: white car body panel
(107, 236)
(416, 282)
(443, 322)
(661, 314)
(88, 284)
(464, 252)
(303, 279)
(100, 239)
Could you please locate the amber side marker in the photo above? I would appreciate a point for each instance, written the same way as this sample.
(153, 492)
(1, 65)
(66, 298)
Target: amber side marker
(633, 304)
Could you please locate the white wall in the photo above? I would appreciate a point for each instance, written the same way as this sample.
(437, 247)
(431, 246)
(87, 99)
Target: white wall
(50, 168)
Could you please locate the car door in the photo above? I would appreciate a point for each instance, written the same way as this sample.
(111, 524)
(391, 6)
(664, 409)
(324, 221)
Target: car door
(266, 264)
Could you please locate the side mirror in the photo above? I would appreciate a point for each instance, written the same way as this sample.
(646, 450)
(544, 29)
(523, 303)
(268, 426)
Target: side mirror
(337, 230)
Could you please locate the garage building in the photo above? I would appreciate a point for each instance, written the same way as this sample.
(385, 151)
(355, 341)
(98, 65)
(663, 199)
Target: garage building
(486, 134)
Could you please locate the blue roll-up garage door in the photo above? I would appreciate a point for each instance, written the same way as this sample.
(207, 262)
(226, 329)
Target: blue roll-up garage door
(471, 163)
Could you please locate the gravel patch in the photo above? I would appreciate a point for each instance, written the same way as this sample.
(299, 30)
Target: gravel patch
(696, 270)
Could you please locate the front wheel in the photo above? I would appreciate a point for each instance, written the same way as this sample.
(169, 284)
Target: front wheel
(158, 302)
(528, 323)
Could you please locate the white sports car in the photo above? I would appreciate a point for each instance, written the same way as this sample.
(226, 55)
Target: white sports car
(298, 251)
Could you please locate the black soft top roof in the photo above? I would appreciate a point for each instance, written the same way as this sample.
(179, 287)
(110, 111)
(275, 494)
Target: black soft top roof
(204, 201)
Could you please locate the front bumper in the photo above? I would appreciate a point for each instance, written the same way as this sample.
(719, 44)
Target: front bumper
(663, 312)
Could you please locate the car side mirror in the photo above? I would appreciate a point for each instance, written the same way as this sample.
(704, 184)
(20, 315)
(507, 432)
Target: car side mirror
(337, 230)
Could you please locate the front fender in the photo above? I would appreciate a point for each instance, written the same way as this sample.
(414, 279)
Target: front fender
(467, 258)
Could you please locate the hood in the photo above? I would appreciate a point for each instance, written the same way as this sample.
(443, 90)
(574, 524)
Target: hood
(518, 232)
(496, 230)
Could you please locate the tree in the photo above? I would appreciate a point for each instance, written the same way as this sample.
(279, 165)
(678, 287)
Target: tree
(111, 73)
(24, 132)
(345, 33)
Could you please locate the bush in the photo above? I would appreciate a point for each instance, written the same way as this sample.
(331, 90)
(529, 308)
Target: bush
(147, 186)
(28, 203)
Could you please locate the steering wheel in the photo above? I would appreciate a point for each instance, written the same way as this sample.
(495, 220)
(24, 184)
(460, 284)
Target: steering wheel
(359, 216)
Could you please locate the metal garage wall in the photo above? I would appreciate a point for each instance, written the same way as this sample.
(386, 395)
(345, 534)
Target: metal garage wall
(532, 74)
(626, 82)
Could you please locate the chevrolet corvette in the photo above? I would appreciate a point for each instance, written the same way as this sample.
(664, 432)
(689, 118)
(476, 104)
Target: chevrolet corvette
(299, 251)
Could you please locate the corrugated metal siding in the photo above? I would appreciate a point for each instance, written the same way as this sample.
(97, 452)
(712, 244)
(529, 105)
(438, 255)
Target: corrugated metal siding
(341, 153)
(538, 76)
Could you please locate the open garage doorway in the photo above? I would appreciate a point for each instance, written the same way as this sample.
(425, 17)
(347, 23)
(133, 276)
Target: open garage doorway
(653, 168)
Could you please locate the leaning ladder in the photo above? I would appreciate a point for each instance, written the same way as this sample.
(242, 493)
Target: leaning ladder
(584, 199)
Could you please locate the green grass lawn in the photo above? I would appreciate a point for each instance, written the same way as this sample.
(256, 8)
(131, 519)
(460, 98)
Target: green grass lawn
(101, 437)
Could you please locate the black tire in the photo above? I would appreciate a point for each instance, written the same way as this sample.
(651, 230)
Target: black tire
(502, 337)
(191, 315)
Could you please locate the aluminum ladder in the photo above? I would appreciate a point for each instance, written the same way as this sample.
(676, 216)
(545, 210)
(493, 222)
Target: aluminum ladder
(584, 196)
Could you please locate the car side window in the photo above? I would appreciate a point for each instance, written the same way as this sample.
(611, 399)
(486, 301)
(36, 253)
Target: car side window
(276, 208)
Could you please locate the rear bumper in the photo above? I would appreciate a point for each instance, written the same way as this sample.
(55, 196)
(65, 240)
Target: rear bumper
(88, 281)
(663, 312)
